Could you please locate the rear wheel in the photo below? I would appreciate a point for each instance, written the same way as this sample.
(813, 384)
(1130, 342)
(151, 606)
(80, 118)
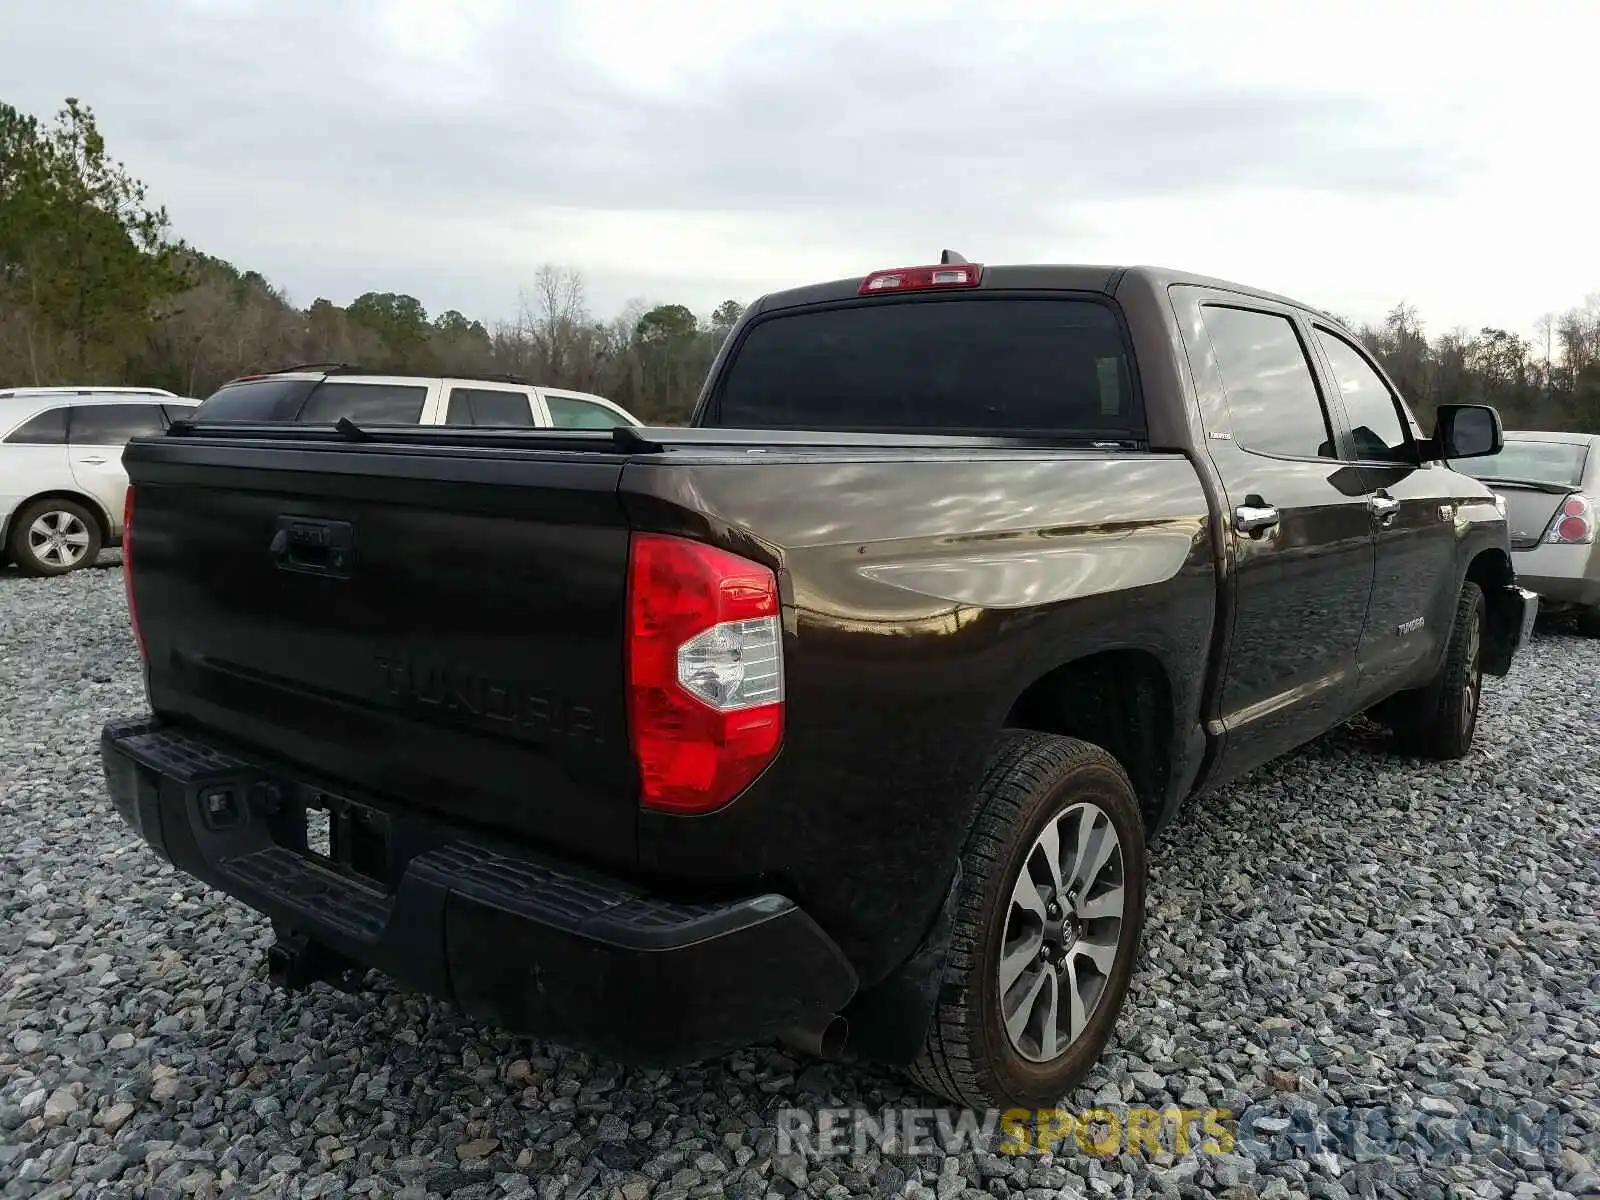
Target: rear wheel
(1442, 718)
(52, 537)
(1047, 928)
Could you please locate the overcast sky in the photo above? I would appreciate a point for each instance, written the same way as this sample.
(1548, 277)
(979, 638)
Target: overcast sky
(702, 149)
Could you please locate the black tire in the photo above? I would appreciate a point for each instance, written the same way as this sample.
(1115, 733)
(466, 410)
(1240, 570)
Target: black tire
(968, 1056)
(1443, 717)
(20, 545)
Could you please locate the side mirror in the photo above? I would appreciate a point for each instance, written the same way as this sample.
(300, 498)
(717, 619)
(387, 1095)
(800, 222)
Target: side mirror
(1466, 431)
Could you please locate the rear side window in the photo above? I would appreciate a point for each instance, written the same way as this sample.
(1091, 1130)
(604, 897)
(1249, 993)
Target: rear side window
(1272, 394)
(970, 364)
(257, 401)
(48, 428)
(112, 424)
(489, 406)
(372, 403)
(567, 413)
(1559, 464)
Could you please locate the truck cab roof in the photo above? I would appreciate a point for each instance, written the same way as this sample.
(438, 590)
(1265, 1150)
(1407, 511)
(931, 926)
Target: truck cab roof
(1074, 277)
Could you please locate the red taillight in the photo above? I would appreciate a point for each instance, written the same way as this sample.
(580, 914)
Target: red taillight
(705, 672)
(1574, 523)
(127, 569)
(921, 279)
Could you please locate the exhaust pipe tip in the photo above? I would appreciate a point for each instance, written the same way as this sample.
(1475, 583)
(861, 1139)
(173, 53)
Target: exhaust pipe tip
(823, 1039)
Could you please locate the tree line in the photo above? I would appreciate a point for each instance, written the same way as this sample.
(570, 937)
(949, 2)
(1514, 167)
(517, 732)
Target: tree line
(96, 288)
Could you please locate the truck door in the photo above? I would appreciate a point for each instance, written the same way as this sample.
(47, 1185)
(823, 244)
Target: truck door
(1300, 554)
(1413, 512)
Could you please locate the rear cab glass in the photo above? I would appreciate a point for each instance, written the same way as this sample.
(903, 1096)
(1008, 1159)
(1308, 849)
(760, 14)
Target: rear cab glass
(968, 364)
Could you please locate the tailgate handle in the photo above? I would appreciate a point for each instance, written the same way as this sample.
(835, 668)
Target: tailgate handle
(313, 546)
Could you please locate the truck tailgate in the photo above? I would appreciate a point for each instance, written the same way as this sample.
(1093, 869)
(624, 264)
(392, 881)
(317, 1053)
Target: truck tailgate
(439, 626)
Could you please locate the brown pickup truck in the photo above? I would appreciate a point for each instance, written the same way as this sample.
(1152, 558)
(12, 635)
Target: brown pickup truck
(843, 716)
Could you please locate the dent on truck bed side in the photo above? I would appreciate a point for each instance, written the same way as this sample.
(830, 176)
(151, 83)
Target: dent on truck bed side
(924, 593)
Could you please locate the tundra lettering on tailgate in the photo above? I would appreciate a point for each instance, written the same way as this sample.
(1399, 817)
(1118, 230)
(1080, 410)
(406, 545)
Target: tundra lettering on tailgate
(467, 695)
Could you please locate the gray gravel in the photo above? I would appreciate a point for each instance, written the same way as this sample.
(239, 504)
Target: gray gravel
(1342, 930)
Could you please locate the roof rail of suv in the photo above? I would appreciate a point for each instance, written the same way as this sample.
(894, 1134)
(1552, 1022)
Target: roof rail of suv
(118, 390)
(343, 368)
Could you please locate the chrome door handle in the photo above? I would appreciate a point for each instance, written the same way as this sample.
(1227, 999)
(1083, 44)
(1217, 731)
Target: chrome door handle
(1249, 518)
(1384, 508)
(93, 462)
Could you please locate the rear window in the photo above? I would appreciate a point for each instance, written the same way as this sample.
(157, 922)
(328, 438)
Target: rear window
(257, 401)
(48, 428)
(1557, 463)
(369, 403)
(949, 365)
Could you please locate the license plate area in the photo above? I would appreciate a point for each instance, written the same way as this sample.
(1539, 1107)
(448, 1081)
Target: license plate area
(347, 837)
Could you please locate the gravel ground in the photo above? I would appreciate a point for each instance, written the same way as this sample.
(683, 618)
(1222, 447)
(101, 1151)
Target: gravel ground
(1343, 929)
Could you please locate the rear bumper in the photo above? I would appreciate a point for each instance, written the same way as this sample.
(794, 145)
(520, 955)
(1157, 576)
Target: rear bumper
(1561, 574)
(535, 946)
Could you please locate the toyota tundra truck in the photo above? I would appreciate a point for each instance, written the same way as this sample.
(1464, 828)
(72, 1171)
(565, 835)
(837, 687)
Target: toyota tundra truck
(842, 717)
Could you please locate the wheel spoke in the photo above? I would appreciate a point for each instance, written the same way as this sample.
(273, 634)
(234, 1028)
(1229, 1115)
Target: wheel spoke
(1018, 956)
(1106, 904)
(78, 538)
(1097, 843)
(1027, 897)
(1102, 954)
(1080, 821)
(1017, 1011)
(1050, 1004)
(1048, 847)
(1077, 1008)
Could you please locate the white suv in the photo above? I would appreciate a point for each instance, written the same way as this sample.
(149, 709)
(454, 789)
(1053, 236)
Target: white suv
(321, 395)
(62, 484)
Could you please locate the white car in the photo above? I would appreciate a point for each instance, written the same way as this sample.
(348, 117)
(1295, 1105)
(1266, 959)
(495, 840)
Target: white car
(62, 485)
(322, 395)
(1551, 484)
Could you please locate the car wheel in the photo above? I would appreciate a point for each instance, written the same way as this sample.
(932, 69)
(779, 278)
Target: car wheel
(1444, 717)
(1046, 930)
(52, 537)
